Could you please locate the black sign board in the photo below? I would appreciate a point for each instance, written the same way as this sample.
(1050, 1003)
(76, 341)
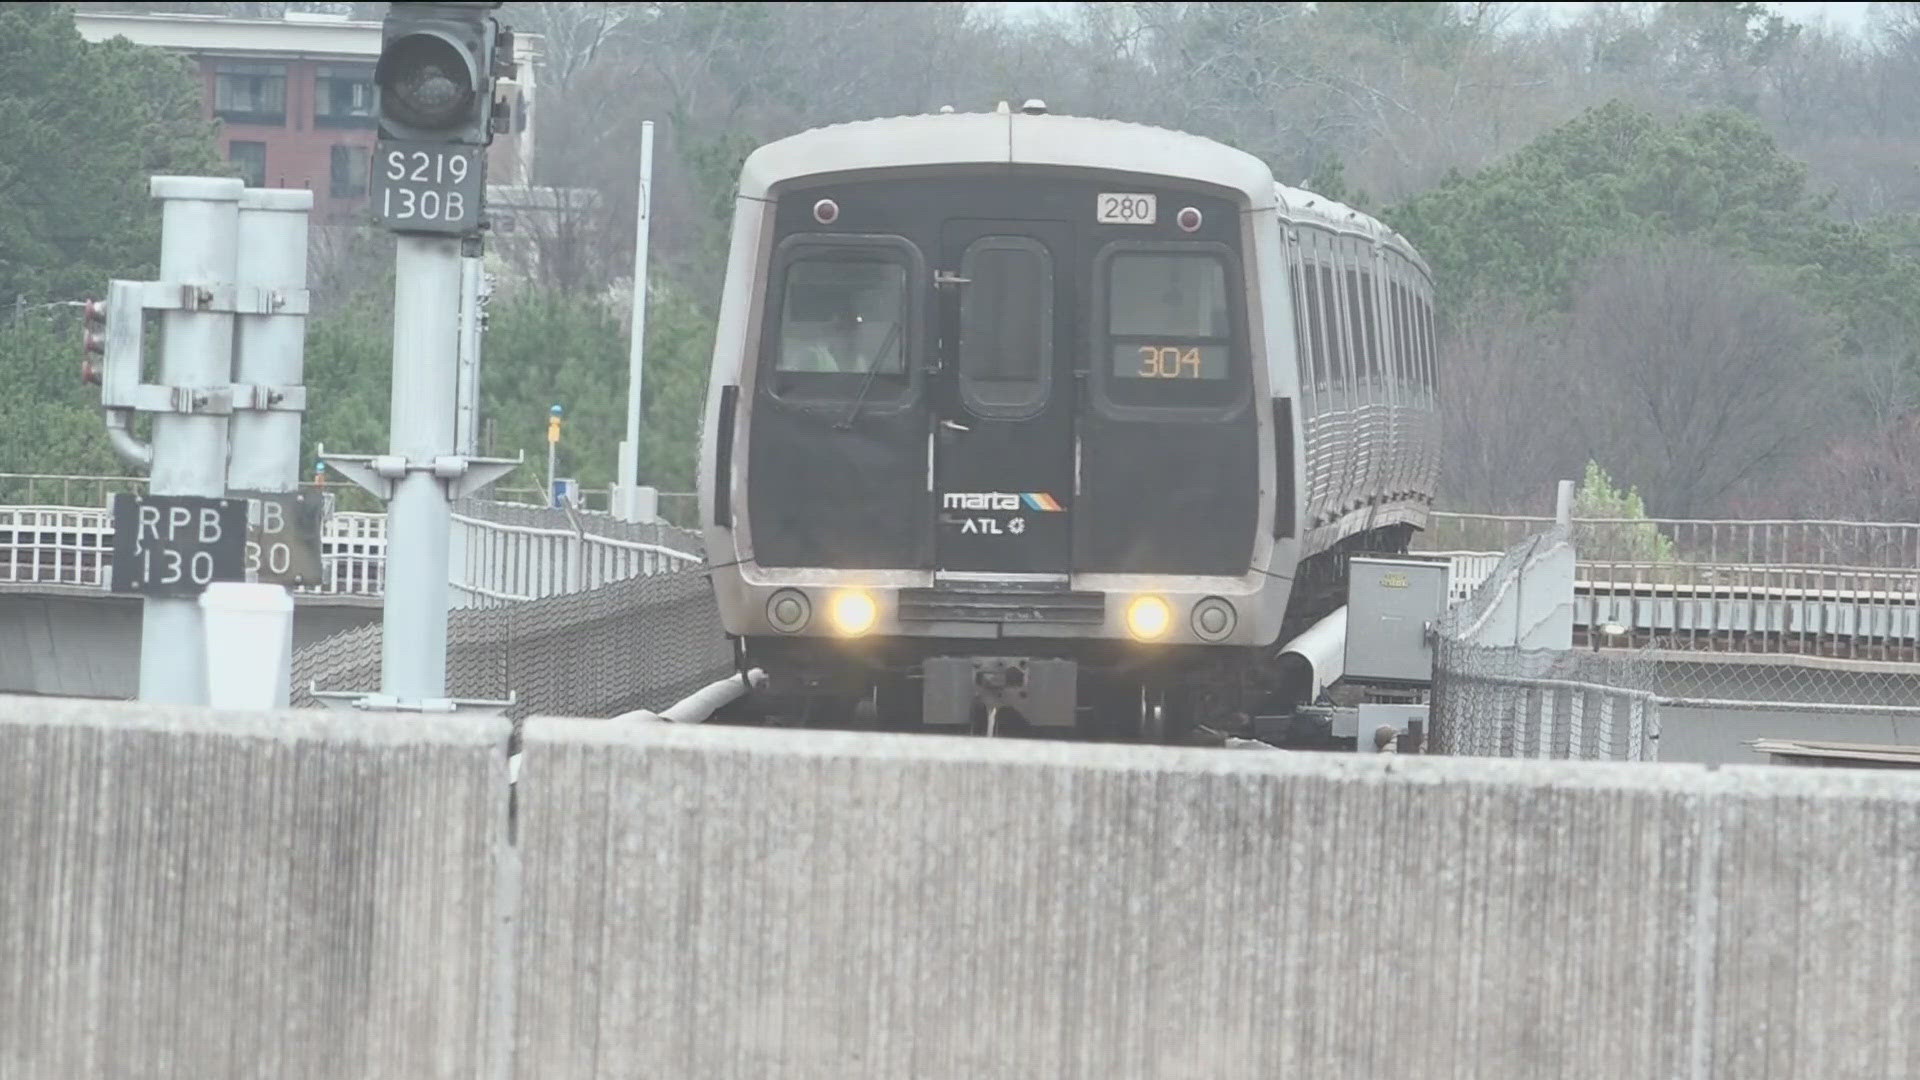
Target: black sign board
(177, 545)
(283, 537)
(428, 187)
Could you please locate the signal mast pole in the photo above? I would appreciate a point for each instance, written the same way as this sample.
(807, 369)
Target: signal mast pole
(437, 117)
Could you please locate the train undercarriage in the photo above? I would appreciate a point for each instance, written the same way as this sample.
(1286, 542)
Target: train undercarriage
(1092, 690)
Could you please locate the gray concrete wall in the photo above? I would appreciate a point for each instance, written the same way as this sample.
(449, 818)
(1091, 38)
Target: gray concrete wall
(724, 903)
(86, 643)
(308, 894)
(235, 895)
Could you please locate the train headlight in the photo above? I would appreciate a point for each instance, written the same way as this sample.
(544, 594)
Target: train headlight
(1148, 618)
(853, 613)
(1213, 618)
(789, 611)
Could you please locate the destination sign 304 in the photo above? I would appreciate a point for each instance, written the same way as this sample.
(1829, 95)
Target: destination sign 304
(428, 187)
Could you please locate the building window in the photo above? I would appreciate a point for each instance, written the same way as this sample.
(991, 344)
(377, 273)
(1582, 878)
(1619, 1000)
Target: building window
(251, 157)
(343, 96)
(250, 93)
(349, 172)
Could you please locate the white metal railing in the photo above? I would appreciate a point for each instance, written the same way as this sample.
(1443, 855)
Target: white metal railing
(88, 490)
(54, 545)
(1760, 542)
(1860, 611)
(60, 545)
(495, 562)
(490, 561)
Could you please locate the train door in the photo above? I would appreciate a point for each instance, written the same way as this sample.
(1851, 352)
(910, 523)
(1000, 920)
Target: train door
(1003, 415)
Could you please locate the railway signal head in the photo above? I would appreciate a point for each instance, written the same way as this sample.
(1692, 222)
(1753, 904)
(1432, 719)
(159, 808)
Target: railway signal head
(435, 73)
(93, 339)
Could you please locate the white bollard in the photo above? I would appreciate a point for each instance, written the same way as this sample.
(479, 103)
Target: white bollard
(249, 645)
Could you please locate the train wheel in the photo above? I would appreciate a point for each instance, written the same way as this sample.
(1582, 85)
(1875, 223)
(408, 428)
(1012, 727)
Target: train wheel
(1153, 715)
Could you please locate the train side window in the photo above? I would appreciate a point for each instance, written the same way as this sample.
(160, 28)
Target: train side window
(1006, 326)
(1402, 344)
(1426, 338)
(1302, 347)
(1330, 312)
(1316, 334)
(844, 314)
(1414, 349)
(1357, 332)
(1370, 331)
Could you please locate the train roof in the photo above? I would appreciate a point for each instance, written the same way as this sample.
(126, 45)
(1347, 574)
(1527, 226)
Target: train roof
(1021, 137)
(1014, 137)
(1304, 207)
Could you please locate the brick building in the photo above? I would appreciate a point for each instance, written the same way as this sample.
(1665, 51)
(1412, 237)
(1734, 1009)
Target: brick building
(294, 98)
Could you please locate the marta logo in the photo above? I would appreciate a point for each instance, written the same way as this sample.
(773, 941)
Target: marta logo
(1000, 500)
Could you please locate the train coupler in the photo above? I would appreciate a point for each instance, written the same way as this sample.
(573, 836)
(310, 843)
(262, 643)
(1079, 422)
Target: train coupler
(1042, 692)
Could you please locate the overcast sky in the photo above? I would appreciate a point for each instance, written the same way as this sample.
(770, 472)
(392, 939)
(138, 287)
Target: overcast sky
(1850, 15)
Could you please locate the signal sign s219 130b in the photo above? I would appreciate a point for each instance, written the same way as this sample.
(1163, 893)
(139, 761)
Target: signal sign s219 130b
(428, 187)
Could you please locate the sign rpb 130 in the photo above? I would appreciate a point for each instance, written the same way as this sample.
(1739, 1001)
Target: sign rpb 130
(177, 545)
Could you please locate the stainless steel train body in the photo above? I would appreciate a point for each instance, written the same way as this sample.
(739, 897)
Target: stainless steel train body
(1040, 417)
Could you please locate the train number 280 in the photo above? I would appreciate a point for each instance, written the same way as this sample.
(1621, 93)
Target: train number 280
(1119, 209)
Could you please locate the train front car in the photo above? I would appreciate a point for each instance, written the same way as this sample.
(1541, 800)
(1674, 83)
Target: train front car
(1000, 431)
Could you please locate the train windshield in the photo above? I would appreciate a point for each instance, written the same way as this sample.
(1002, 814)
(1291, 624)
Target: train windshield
(1169, 328)
(844, 314)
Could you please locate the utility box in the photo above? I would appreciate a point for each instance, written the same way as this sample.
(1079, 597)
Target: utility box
(1391, 606)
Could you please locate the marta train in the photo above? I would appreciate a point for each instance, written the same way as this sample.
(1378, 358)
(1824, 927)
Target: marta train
(1024, 421)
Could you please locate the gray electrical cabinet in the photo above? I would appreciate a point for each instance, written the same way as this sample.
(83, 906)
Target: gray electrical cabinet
(1391, 605)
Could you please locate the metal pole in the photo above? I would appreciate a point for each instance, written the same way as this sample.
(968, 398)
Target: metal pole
(426, 319)
(270, 349)
(553, 448)
(472, 288)
(630, 502)
(199, 222)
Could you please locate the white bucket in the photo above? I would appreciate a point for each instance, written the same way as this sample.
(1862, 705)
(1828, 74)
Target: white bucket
(249, 630)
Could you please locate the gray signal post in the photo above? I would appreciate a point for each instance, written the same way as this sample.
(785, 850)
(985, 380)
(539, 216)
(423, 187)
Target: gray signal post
(269, 363)
(185, 532)
(199, 230)
(435, 74)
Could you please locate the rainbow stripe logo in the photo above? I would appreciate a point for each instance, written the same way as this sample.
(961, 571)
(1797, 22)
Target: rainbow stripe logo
(1040, 500)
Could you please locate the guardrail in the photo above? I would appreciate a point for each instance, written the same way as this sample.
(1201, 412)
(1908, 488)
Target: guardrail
(491, 561)
(83, 491)
(1688, 599)
(58, 545)
(1758, 542)
(499, 562)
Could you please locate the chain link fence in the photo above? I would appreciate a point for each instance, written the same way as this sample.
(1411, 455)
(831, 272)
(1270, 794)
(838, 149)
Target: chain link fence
(1494, 701)
(1506, 701)
(1733, 680)
(643, 641)
(1587, 702)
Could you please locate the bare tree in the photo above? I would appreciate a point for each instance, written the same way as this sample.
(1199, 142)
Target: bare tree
(1689, 374)
(1501, 394)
